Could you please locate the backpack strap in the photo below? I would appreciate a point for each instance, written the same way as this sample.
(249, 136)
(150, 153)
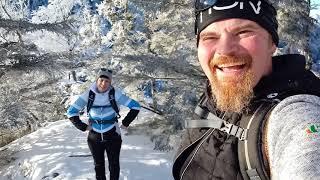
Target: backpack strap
(113, 102)
(213, 121)
(210, 120)
(91, 97)
(249, 134)
(250, 152)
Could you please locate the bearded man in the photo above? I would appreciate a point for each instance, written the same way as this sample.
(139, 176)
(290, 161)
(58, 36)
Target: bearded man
(259, 117)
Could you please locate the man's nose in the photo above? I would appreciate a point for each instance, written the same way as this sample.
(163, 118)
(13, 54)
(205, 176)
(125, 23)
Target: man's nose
(226, 44)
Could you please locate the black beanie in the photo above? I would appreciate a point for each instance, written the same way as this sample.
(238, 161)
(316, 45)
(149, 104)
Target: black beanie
(259, 11)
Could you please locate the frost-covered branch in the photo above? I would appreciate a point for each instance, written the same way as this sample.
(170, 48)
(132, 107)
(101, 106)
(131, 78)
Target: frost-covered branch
(24, 26)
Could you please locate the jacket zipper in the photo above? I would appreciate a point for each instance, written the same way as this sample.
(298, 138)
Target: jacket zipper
(197, 149)
(208, 133)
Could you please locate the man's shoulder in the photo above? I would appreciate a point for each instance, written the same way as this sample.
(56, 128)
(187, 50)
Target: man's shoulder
(299, 101)
(290, 134)
(297, 109)
(293, 115)
(294, 109)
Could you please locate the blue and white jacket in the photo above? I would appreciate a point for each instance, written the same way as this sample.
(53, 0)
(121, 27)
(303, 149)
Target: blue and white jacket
(102, 110)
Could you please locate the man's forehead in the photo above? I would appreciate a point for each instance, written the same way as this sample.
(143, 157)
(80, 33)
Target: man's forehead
(230, 24)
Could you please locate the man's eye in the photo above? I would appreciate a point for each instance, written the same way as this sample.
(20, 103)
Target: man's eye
(204, 38)
(244, 33)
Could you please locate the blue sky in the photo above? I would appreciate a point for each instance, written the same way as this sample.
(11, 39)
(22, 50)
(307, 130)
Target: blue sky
(315, 1)
(316, 11)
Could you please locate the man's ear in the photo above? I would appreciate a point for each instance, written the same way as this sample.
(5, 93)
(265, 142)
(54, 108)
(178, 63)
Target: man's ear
(273, 49)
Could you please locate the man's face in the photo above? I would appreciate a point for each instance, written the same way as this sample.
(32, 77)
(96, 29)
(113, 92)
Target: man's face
(235, 54)
(103, 84)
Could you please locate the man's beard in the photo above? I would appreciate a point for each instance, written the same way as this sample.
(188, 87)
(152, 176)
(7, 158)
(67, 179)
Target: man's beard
(232, 94)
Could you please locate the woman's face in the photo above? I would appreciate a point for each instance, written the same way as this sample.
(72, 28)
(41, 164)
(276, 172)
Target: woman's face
(103, 84)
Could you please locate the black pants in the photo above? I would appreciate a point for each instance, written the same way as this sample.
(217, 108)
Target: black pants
(111, 143)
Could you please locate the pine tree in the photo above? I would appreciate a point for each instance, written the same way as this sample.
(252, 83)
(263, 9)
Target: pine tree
(295, 25)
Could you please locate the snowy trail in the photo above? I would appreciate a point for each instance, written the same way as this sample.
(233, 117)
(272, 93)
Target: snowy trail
(45, 154)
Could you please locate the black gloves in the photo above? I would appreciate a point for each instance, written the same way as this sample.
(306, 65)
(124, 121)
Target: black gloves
(78, 123)
(130, 117)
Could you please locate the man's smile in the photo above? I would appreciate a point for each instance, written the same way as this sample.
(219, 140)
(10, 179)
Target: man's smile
(231, 67)
(230, 70)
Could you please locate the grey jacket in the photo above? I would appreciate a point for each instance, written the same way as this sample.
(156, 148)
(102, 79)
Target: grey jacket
(293, 138)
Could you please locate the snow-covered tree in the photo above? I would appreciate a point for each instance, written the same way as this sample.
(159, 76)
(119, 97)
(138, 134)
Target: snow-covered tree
(295, 25)
(14, 9)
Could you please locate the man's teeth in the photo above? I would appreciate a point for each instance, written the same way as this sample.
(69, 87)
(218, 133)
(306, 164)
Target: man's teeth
(231, 65)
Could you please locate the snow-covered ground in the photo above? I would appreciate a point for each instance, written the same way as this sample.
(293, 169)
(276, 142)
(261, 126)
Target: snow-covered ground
(59, 151)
